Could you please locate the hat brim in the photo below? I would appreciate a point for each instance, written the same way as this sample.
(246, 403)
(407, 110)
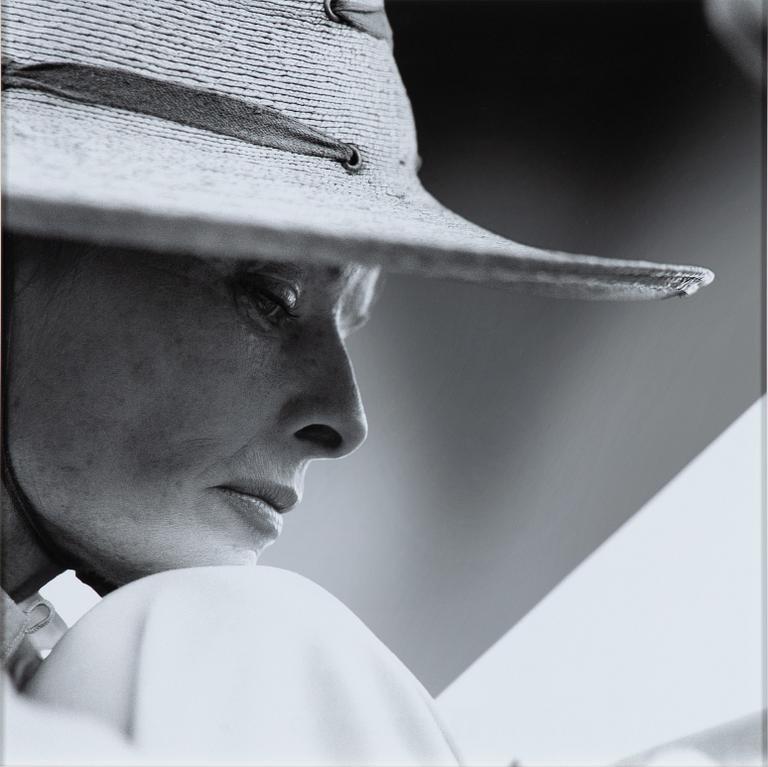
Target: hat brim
(108, 176)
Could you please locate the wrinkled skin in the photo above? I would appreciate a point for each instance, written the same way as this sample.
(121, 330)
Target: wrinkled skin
(142, 384)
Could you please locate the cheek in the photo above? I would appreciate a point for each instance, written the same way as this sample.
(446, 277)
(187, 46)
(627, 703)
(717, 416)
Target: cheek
(198, 391)
(129, 407)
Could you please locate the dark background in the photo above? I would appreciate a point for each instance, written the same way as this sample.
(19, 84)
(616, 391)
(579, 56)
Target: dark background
(510, 435)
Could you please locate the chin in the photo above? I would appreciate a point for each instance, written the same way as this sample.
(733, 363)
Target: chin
(107, 578)
(224, 554)
(246, 557)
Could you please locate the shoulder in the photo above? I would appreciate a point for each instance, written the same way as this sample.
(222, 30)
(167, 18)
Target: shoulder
(230, 622)
(222, 582)
(224, 596)
(228, 597)
(210, 663)
(222, 604)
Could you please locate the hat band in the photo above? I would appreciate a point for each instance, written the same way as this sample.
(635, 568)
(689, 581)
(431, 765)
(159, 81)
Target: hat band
(182, 104)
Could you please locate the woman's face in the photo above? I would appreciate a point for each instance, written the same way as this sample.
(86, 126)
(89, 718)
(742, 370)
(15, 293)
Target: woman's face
(163, 410)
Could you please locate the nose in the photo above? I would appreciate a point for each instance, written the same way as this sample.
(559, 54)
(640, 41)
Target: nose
(326, 416)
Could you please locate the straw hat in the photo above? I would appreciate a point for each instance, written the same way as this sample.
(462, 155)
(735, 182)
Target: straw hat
(268, 128)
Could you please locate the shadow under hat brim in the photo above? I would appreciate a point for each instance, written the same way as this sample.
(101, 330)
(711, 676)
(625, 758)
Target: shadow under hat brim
(107, 176)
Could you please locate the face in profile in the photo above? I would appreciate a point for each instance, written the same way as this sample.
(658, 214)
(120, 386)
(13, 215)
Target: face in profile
(163, 409)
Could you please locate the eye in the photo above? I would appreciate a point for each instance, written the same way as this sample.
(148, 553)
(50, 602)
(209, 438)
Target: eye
(270, 303)
(271, 308)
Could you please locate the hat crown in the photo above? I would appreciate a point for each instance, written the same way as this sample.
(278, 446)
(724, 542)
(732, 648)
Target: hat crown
(290, 55)
(131, 170)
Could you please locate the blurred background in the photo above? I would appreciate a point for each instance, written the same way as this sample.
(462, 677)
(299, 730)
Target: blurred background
(511, 436)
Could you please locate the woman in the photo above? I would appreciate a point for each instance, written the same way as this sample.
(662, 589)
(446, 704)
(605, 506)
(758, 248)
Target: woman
(204, 415)
(200, 199)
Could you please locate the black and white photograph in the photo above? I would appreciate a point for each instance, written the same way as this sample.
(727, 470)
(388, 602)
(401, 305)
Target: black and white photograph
(384, 383)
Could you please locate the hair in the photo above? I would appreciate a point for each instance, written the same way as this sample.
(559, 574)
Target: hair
(47, 253)
(12, 246)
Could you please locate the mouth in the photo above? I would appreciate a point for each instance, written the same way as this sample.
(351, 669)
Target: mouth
(263, 506)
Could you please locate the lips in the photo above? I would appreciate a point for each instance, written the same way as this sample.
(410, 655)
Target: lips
(261, 505)
(281, 498)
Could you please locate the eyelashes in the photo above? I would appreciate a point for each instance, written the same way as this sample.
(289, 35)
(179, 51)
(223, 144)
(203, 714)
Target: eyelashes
(268, 302)
(274, 309)
(272, 298)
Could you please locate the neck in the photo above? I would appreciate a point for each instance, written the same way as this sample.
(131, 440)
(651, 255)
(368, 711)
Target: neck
(26, 567)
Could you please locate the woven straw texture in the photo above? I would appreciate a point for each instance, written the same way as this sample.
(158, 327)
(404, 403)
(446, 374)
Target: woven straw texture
(109, 175)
